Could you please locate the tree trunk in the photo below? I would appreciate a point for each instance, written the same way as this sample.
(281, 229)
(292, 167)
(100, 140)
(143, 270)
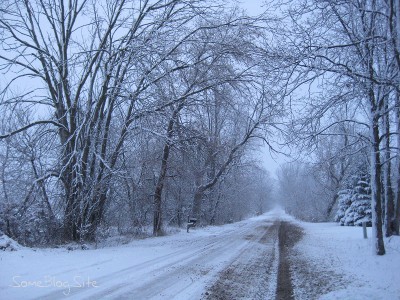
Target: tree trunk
(376, 204)
(197, 203)
(396, 222)
(157, 216)
(70, 225)
(214, 209)
(331, 205)
(389, 196)
(180, 208)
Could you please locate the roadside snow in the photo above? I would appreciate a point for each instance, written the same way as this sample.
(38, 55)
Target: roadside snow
(343, 251)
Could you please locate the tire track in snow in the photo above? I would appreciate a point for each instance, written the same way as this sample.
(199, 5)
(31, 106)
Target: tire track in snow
(252, 274)
(289, 235)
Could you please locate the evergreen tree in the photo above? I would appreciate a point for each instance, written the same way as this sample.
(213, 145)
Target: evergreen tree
(355, 204)
(344, 200)
(361, 202)
(354, 201)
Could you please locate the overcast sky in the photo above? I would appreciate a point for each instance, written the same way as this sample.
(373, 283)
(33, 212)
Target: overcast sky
(253, 7)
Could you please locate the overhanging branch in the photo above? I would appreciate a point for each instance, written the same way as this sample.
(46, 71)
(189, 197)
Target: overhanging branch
(4, 136)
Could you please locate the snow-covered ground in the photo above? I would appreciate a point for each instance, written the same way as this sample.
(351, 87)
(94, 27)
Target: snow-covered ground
(182, 265)
(342, 251)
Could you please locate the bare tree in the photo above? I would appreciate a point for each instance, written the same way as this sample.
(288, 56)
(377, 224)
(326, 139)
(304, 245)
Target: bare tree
(27, 212)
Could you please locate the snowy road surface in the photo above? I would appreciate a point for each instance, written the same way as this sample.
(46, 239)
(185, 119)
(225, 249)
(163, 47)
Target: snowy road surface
(267, 257)
(183, 266)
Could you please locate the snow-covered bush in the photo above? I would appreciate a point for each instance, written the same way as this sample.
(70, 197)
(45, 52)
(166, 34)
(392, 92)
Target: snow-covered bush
(8, 244)
(30, 225)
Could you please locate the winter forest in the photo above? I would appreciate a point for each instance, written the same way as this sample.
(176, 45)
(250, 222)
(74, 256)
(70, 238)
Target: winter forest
(117, 116)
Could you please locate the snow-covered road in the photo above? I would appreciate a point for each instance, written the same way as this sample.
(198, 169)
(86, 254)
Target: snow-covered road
(183, 266)
(268, 257)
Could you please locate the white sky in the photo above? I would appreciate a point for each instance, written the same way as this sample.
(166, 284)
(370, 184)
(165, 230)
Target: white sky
(253, 7)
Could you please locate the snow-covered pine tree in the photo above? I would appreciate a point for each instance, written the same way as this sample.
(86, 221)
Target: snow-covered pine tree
(360, 208)
(344, 202)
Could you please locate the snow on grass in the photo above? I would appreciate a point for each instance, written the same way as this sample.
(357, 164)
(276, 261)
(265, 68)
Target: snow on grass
(343, 250)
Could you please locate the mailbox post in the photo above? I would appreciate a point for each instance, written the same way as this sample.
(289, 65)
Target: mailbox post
(191, 223)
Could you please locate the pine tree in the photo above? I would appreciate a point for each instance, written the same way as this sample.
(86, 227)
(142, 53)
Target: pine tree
(360, 208)
(344, 199)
